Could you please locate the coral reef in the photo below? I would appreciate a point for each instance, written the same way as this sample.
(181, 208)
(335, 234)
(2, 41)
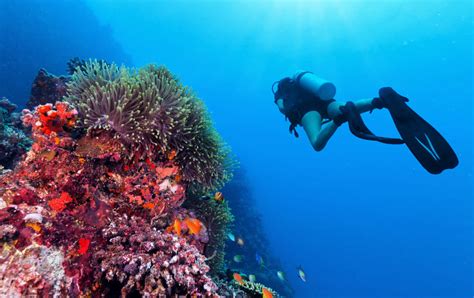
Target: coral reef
(83, 201)
(107, 200)
(151, 114)
(46, 88)
(14, 143)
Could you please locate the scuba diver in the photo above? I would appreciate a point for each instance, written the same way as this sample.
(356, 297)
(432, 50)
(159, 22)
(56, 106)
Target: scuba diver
(308, 100)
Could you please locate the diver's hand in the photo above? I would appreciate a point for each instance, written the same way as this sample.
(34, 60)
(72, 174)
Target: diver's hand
(339, 120)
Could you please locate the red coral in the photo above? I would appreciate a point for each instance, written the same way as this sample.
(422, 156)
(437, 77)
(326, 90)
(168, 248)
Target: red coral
(48, 118)
(59, 204)
(83, 245)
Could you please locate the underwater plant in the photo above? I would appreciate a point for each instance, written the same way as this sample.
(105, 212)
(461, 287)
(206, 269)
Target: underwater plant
(152, 115)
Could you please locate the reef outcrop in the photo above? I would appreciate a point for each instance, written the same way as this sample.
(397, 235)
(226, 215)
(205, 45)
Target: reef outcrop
(95, 207)
(108, 198)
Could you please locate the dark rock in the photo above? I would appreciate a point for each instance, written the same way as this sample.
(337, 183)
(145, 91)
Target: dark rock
(46, 88)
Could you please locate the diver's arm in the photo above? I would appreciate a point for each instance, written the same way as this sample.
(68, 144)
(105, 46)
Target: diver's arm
(318, 136)
(362, 106)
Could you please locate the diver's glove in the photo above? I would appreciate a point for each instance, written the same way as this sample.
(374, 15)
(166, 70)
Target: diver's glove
(342, 118)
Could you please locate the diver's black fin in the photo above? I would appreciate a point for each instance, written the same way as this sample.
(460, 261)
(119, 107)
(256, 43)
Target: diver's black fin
(426, 143)
(358, 127)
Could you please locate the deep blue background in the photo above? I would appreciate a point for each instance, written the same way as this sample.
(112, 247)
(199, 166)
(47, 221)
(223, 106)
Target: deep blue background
(364, 219)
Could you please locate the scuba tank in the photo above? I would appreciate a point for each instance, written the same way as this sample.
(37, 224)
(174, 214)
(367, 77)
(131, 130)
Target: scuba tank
(309, 82)
(315, 85)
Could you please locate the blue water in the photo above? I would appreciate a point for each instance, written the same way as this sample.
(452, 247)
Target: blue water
(364, 219)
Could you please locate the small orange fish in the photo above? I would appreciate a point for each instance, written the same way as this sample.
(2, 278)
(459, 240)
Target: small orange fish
(177, 226)
(219, 197)
(238, 278)
(194, 225)
(35, 226)
(266, 293)
(172, 155)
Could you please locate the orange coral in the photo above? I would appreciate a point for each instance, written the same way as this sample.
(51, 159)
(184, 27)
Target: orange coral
(59, 204)
(149, 205)
(51, 120)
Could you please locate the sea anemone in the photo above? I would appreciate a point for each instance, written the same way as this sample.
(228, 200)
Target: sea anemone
(152, 115)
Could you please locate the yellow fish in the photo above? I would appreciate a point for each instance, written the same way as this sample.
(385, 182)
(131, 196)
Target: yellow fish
(219, 197)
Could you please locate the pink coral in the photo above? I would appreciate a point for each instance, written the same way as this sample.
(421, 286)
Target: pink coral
(148, 261)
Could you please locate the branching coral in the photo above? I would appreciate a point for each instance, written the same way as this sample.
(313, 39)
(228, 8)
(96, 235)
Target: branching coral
(35, 271)
(144, 260)
(153, 115)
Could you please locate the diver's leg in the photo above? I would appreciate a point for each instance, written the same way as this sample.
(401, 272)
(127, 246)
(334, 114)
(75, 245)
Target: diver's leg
(318, 137)
(362, 106)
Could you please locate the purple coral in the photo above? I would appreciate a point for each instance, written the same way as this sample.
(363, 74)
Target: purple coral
(144, 260)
